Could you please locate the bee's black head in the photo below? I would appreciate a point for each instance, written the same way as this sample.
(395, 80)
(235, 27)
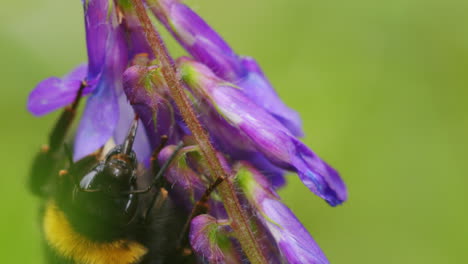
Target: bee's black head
(107, 186)
(118, 174)
(114, 176)
(105, 192)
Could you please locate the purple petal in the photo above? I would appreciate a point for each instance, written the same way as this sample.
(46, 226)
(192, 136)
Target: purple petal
(54, 93)
(318, 176)
(207, 46)
(259, 90)
(99, 20)
(101, 114)
(258, 128)
(99, 120)
(236, 148)
(274, 174)
(220, 130)
(280, 147)
(141, 146)
(283, 149)
(79, 73)
(137, 42)
(51, 94)
(198, 38)
(293, 240)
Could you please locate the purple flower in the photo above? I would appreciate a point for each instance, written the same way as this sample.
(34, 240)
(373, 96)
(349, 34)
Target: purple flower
(53, 93)
(101, 114)
(253, 128)
(206, 46)
(253, 132)
(108, 56)
(107, 59)
(292, 239)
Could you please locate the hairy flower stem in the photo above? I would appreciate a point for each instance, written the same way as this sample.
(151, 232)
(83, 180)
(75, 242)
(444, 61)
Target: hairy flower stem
(240, 223)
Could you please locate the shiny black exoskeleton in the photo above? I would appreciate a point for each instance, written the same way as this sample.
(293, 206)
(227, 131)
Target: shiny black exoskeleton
(110, 188)
(108, 203)
(107, 200)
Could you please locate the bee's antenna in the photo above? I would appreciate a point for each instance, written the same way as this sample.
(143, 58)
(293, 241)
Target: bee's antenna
(128, 143)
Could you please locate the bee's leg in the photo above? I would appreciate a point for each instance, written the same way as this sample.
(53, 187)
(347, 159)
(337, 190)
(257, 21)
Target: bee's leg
(57, 136)
(47, 161)
(68, 153)
(156, 203)
(200, 207)
(159, 182)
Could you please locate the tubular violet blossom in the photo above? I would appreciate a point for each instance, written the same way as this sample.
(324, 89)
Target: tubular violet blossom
(107, 59)
(257, 129)
(108, 56)
(253, 135)
(207, 47)
(293, 240)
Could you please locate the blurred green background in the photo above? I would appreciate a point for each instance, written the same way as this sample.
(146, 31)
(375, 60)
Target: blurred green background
(381, 86)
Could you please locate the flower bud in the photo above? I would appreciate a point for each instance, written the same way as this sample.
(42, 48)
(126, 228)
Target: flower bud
(210, 240)
(146, 92)
(180, 172)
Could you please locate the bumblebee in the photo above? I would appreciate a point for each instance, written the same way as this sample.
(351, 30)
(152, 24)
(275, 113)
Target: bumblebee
(99, 210)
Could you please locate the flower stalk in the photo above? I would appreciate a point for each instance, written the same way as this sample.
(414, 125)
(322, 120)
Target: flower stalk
(240, 223)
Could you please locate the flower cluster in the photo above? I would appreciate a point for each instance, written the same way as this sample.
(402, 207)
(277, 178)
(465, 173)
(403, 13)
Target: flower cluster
(254, 133)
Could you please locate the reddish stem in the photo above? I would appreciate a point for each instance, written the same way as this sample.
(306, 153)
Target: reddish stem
(240, 223)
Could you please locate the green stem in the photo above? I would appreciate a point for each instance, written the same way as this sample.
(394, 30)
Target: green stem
(240, 223)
